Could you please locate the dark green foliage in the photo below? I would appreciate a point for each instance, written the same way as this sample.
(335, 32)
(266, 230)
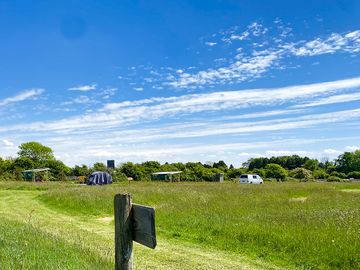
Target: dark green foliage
(99, 167)
(58, 169)
(311, 164)
(220, 165)
(135, 171)
(287, 162)
(81, 171)
(275, 171)
(320, 174)
(234, 173)
(118, 176)
(338, 174)
(348, 162)
(355, 175)
(24, 163)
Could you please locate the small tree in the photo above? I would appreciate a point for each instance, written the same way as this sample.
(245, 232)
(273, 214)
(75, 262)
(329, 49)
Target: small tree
(36, 152)
(275, 171)
(99, 167)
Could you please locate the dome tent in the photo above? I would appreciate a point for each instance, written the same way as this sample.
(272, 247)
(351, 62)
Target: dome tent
(99, 178)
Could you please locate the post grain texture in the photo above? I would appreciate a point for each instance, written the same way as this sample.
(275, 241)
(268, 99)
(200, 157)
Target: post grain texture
(123, 231)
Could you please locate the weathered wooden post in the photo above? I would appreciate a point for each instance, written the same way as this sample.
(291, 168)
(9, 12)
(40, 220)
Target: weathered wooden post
(132, 223)
(123, 231)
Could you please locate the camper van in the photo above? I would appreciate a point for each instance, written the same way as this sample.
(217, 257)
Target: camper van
(251, 179)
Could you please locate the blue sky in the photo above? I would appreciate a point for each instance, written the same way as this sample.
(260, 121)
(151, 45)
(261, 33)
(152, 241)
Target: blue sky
(180, 80)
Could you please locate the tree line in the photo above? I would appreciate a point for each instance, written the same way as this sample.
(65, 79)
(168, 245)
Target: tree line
(35, 155)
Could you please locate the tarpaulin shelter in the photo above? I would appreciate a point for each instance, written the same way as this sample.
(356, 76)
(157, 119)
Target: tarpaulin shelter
(99, 178)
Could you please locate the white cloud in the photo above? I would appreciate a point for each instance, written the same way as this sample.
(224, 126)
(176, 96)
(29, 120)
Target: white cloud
(349, 42)
(264, 56)
(331, 100)
(83, 88)
(331, 151)
(25, 95)
(139, 89)
(210, 43)
(78, 100)
(352, 148)
(285, 153)
(129, 112)
(7, 142)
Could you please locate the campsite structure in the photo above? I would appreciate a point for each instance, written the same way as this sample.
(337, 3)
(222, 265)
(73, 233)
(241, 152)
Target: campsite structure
(167, 176)
(36, 174)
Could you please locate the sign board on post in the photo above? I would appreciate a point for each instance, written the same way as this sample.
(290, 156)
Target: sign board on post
(132, 223)
(144, 225)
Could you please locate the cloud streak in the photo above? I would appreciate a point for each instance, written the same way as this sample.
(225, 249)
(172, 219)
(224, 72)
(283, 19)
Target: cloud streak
(25, 95)
(83, 88)
(150, 110)
(263, 56)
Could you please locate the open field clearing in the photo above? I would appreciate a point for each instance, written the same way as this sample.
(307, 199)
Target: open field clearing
(199, 225)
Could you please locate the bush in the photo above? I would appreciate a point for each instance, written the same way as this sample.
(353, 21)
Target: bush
(320, 174)
(355, 175)
(275, 171)
(301, 174)
(333, 178)
(118, 176)
(338, 174)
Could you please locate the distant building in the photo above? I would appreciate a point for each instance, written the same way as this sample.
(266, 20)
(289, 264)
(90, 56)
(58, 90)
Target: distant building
(174, 176)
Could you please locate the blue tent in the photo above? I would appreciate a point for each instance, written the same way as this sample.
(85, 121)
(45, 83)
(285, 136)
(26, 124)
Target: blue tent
(99, 178)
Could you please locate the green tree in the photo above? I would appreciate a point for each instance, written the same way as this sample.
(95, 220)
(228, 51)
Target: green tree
(348, 162)
(58, 169)
(99, 167)
(24, 163)
(221, 165)
(311, 164)
(275, 171)
(36, 152)
(82, 170)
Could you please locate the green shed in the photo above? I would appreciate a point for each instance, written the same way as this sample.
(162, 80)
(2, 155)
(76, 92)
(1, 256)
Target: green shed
(167, 176)
(35, 174)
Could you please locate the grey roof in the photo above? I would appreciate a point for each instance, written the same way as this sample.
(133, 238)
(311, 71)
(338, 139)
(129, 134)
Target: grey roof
(173, 172)
(38, 170)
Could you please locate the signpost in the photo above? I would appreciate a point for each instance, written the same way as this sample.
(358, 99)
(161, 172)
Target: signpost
(132, 223)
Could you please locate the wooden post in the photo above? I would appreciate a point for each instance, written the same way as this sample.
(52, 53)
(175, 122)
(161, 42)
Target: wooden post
(123, 231)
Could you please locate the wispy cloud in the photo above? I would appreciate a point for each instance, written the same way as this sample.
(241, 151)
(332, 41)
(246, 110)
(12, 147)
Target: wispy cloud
(83, 88)
(25, 95)
(7, 142)
(149, 110)
(331, 100)
(264, 56)
(352, 148)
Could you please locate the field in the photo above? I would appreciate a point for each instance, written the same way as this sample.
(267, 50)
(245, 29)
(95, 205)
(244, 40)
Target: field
(199, 225)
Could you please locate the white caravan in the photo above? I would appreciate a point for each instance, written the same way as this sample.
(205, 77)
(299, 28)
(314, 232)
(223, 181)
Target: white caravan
(251, 179)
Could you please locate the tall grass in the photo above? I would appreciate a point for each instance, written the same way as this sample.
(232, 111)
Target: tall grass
(306, 225)
(23, 246)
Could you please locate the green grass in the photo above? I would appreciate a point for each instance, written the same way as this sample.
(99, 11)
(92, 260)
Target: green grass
(205, 225)
(23, 246)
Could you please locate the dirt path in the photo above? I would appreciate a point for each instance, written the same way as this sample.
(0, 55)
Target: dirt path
(97, 234)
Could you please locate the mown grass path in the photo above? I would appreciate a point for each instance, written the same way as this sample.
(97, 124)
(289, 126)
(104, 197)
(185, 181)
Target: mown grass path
(94, 236)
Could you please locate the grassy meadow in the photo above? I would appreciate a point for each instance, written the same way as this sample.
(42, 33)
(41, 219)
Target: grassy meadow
(199, 225)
